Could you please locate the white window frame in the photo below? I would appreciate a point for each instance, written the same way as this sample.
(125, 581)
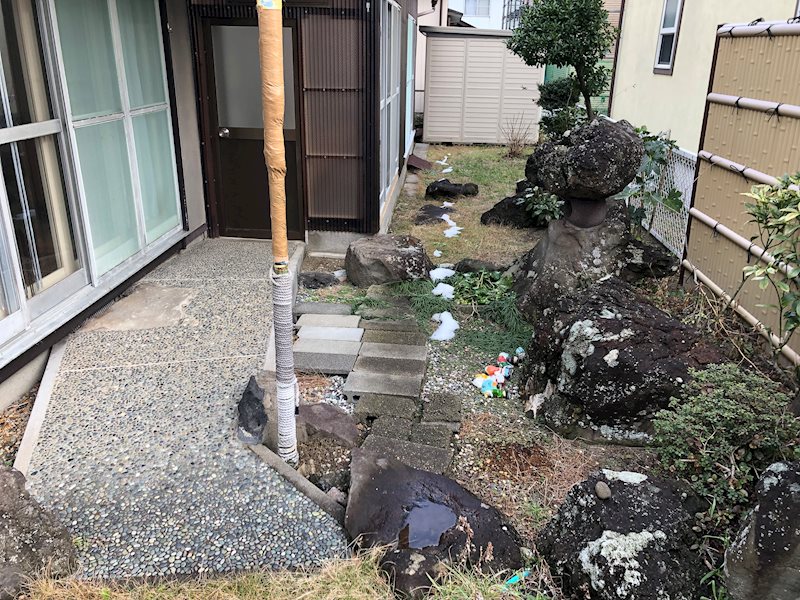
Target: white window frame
(411, 40)
(391, 30)
(126, 115)
(666, 68)
(478, 4)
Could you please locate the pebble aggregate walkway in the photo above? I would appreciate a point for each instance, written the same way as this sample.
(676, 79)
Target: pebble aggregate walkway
(137, 453)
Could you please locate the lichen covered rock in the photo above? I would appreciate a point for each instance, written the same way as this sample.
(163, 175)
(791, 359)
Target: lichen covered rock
(634, 544)
(764, 559)
(614, 361)
(386, 259)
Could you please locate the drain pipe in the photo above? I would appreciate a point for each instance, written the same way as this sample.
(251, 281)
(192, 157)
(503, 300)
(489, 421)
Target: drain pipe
(790, 354)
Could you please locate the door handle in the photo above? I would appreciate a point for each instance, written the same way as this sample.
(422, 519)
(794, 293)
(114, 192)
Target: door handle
(224, 132)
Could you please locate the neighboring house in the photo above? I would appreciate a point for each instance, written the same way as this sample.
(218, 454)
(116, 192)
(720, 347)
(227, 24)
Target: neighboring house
(665, 55)
(431, 14)
(484, 14)
(129, 127)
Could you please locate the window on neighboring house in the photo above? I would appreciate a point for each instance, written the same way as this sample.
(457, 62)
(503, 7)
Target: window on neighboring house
(668, 36)
(476, 8)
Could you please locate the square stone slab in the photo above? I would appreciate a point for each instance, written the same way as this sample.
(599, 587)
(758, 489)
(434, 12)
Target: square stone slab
(315, 320)
(344, 334)
(390, 324)
(377, 405)
(332, 357)
(361, 384)
(419, 456)
(322, 308)
(432, 434)
(403, 351)
(394, 337)
(442, 407)
(388, 426)
(389, 366)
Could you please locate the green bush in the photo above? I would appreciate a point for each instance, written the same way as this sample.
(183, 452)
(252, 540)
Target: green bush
(559, 93)
(542, 206)
(727, 428)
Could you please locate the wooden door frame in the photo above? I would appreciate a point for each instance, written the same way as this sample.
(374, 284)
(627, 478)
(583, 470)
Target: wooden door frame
(207, 111)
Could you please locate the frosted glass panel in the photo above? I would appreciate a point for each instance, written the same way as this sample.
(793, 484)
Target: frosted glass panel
(107, 182)
(85, 32)
(670, 13)
(156, 173)
(141, 50)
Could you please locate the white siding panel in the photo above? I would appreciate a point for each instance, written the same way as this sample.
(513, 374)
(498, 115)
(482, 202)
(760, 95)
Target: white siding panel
(475, 87)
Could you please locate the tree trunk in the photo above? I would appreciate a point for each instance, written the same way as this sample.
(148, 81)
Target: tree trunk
(587, 98)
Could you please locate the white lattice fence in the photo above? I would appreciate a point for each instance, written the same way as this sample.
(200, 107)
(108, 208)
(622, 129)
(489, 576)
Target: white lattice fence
(668, 226)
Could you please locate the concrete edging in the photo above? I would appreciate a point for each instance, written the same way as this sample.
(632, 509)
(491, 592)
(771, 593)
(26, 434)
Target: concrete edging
(22, 461)
(303, 485)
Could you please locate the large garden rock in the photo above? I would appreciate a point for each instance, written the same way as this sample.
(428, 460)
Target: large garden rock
(386, 259)
(764, 559)
(614, 359)
(625, 535)
(509, 212)
(593, 162)
(31, 539)
(448, 189)
(430, 519)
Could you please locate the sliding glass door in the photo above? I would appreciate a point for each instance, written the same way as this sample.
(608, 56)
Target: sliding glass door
(119, 119)
(39, 259)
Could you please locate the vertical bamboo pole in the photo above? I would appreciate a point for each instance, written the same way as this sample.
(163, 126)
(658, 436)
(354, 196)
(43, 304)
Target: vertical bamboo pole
(270, 43)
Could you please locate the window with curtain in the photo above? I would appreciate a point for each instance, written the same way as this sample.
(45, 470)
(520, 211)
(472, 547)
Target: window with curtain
(668, 35)
(113, 63)
(476, 8)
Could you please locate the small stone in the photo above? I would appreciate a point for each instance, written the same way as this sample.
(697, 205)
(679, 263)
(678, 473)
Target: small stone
(602, 490)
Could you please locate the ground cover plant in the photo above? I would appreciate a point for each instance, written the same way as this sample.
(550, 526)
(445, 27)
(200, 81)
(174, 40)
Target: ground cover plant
(542, 206)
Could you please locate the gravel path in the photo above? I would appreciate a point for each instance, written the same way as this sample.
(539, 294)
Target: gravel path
(137, 453)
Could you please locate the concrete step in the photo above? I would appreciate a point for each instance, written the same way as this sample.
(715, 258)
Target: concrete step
(396, 428)
(380, 350)
(322, 308)
(408, 338)
(432, 434)
(419, 456)
(361, 384)
(343, 334)
(410, 325)
(317, 320)
(389, 366)
(332, 357)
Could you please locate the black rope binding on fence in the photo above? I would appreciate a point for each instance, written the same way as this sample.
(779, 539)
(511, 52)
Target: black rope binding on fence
(793, 20)
(773, 112)
(755, 21)
(736, 103)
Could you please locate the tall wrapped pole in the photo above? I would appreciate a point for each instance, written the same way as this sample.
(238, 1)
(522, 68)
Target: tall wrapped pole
(270, 45)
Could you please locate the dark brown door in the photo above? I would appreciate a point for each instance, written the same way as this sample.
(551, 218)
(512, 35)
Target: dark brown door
(242, 193)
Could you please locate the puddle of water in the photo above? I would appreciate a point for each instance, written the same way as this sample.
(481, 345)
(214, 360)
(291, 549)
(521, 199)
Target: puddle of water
(425, 523)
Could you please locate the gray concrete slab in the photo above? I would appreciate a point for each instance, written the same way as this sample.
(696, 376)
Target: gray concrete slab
(388, 426)
(325, 356)
(372, 406)
(442, 407)
(395, 337)
(389, 366)
(148, 306)
(432, 434)
(390, 324)
(361, 384)
(419, 456)
(328, 320)
(322, 308)
(342, 334)
(379, 350)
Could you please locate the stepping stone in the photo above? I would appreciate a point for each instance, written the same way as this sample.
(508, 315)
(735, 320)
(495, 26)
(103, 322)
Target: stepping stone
(363, 384)
(393, 337)
(327, 420)
(390, 324)
(378, 350)
(376, 406)
(344, 334)
(325, 356)
(388, 314)
(442, 408)
(419, 456)
(390, 366)
(317, 320)
(322, 308)
(432, 434)
(392, 427)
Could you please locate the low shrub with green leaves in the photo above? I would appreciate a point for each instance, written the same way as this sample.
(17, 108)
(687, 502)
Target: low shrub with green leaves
(728, 426)
(541, 205)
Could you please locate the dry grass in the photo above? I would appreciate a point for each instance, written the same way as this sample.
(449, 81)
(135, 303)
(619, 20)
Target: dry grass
(12, 426)
(496, 176)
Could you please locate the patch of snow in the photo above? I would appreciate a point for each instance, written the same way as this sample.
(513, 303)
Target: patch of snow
(624, 476)
(441, 273)
(447, 327)
(437, 253)
(444, 290)
(452, 232)
(446, 204)
(619, 552)
(612, 358)
(446, 218)
(447, 170)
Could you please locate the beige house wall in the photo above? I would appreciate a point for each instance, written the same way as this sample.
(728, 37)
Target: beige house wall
(676, 102)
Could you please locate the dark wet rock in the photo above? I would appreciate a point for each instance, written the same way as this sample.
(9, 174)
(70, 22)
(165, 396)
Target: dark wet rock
(314, 280)
(31, 539)
(614, 359)
(764, 559)
(593, 162)
(473, 265)
(509, 212)
(386, 259)
(448, 189)
(338, 479)
(252, 416)
(634, 545)
(430, 213)
(428, 518)
(569, 259)
(329, 421)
